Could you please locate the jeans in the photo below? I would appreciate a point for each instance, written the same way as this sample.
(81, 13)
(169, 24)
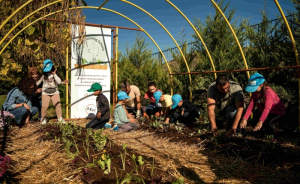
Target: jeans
(128, 127)
(22, 112)
(151, 110)
(187, 118)
(37, 102)
(230, 113)
(96, 123)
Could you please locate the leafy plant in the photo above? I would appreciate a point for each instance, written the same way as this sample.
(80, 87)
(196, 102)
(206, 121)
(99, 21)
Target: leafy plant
(123, 156)
(104, 162)
(179, 181)
(178, 128)
(99, 139)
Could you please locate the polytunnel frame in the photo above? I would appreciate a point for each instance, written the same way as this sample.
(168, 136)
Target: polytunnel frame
(116, 54)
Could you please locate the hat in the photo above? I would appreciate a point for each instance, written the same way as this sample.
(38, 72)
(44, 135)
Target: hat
(157, 96)
(95, 87)
(176, 99)
(254, 81)
(47, 66)
(122, 95)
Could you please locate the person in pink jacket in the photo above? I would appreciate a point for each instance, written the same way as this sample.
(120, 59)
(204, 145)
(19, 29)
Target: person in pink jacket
(269, 105)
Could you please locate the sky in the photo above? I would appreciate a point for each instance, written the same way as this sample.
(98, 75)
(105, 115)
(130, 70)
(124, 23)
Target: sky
(170, 18)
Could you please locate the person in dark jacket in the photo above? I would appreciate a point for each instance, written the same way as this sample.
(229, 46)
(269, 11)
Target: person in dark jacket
(183, 111)
(103, 114)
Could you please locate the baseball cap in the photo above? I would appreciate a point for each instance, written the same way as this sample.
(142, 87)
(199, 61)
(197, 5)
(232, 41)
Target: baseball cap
(122, 95)
(176, 99)
(95, 87)
(255, 80)
(47, 66)
(157, 96)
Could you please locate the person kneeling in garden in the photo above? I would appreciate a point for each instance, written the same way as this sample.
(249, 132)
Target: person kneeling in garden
(165, 101)
(102, 115)
(18, 101)
(270, 107)
(153, 108)
(120, 118)
(183, 111)
(225, 105)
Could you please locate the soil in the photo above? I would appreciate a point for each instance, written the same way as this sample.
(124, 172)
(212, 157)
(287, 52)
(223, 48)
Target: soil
(96, 174)
(284, 151)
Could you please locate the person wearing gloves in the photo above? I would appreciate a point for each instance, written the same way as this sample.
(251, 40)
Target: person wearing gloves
(152, 108)
(183, 111)
(134, 103)
(50, 90)
(270, 107)
(165, 101)
(18, 101)
(102, 115)
(120, 118)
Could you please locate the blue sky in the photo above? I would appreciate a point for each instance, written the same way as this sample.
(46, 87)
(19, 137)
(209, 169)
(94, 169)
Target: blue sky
(170, 18)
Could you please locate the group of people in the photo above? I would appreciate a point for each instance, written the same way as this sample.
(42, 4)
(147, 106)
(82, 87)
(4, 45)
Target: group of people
(225, 103)
(34, 93)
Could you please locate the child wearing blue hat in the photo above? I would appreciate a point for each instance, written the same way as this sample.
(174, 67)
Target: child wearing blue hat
(50, 90)
(270, 107)
(183, 111)
(120, 117)
(165, 101)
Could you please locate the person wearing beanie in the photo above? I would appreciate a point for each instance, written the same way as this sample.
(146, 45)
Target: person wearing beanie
(165, 101)
(225, 105)
(102, 115)
(182, 110)
(270, 107)
(120, 118)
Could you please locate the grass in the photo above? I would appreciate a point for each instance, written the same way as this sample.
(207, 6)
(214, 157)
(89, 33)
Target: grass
(2, 99)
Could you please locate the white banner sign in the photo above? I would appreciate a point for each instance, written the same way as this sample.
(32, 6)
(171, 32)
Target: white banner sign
(90, 63)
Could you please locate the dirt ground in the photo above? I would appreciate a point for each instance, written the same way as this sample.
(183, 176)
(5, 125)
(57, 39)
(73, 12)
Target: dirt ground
(196, 156)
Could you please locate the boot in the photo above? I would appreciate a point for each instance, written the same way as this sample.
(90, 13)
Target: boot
(44, 121)
(61, 120)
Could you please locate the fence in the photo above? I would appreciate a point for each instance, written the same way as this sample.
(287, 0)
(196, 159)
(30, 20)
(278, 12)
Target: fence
(191, 46)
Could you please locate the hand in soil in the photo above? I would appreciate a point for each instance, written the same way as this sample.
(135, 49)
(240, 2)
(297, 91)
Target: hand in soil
(230, 132)
(258, 126)
(214, 130)
(243, 123)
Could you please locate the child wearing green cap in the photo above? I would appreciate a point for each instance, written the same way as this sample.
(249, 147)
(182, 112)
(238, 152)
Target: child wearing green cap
(183, 111)
(270, 107)
(102, 115)
(165, 101)
(120, 118)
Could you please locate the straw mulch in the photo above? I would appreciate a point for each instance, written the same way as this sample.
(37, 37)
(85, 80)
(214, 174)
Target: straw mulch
(35, 160)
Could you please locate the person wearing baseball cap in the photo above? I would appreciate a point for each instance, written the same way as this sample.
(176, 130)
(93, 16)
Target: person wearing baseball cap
(270, 107)
(182, 110)
(121, 120)
(225, 105)
(103, 113)
(165, 101)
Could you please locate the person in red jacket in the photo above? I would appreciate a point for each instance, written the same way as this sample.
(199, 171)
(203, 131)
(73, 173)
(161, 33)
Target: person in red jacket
(270, 107)
(152, 108)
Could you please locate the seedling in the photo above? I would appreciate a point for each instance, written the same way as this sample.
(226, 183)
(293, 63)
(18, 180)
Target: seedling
(104, 162)
(178, 128)
(99, 139)
(134, 160)
(123, 156)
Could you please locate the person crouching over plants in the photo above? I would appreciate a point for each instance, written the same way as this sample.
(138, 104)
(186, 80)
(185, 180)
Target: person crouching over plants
(165, 101)
(152, 108)
(18, 101)
(50, 90)
(102, 115)
(183, 111)
(270, 107)
(120, 118)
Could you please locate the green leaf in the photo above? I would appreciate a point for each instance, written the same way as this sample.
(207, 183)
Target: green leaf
(124, 146)
(30, 30)
(101, 164)
(90, 165)
(29, 41)
(106, 171)
(108, 163)
(140, 160)
(133, 156)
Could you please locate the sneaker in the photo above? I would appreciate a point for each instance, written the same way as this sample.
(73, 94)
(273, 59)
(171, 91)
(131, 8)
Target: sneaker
(107, 125)
(44, 121)
(61, 120)
(115, 128)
